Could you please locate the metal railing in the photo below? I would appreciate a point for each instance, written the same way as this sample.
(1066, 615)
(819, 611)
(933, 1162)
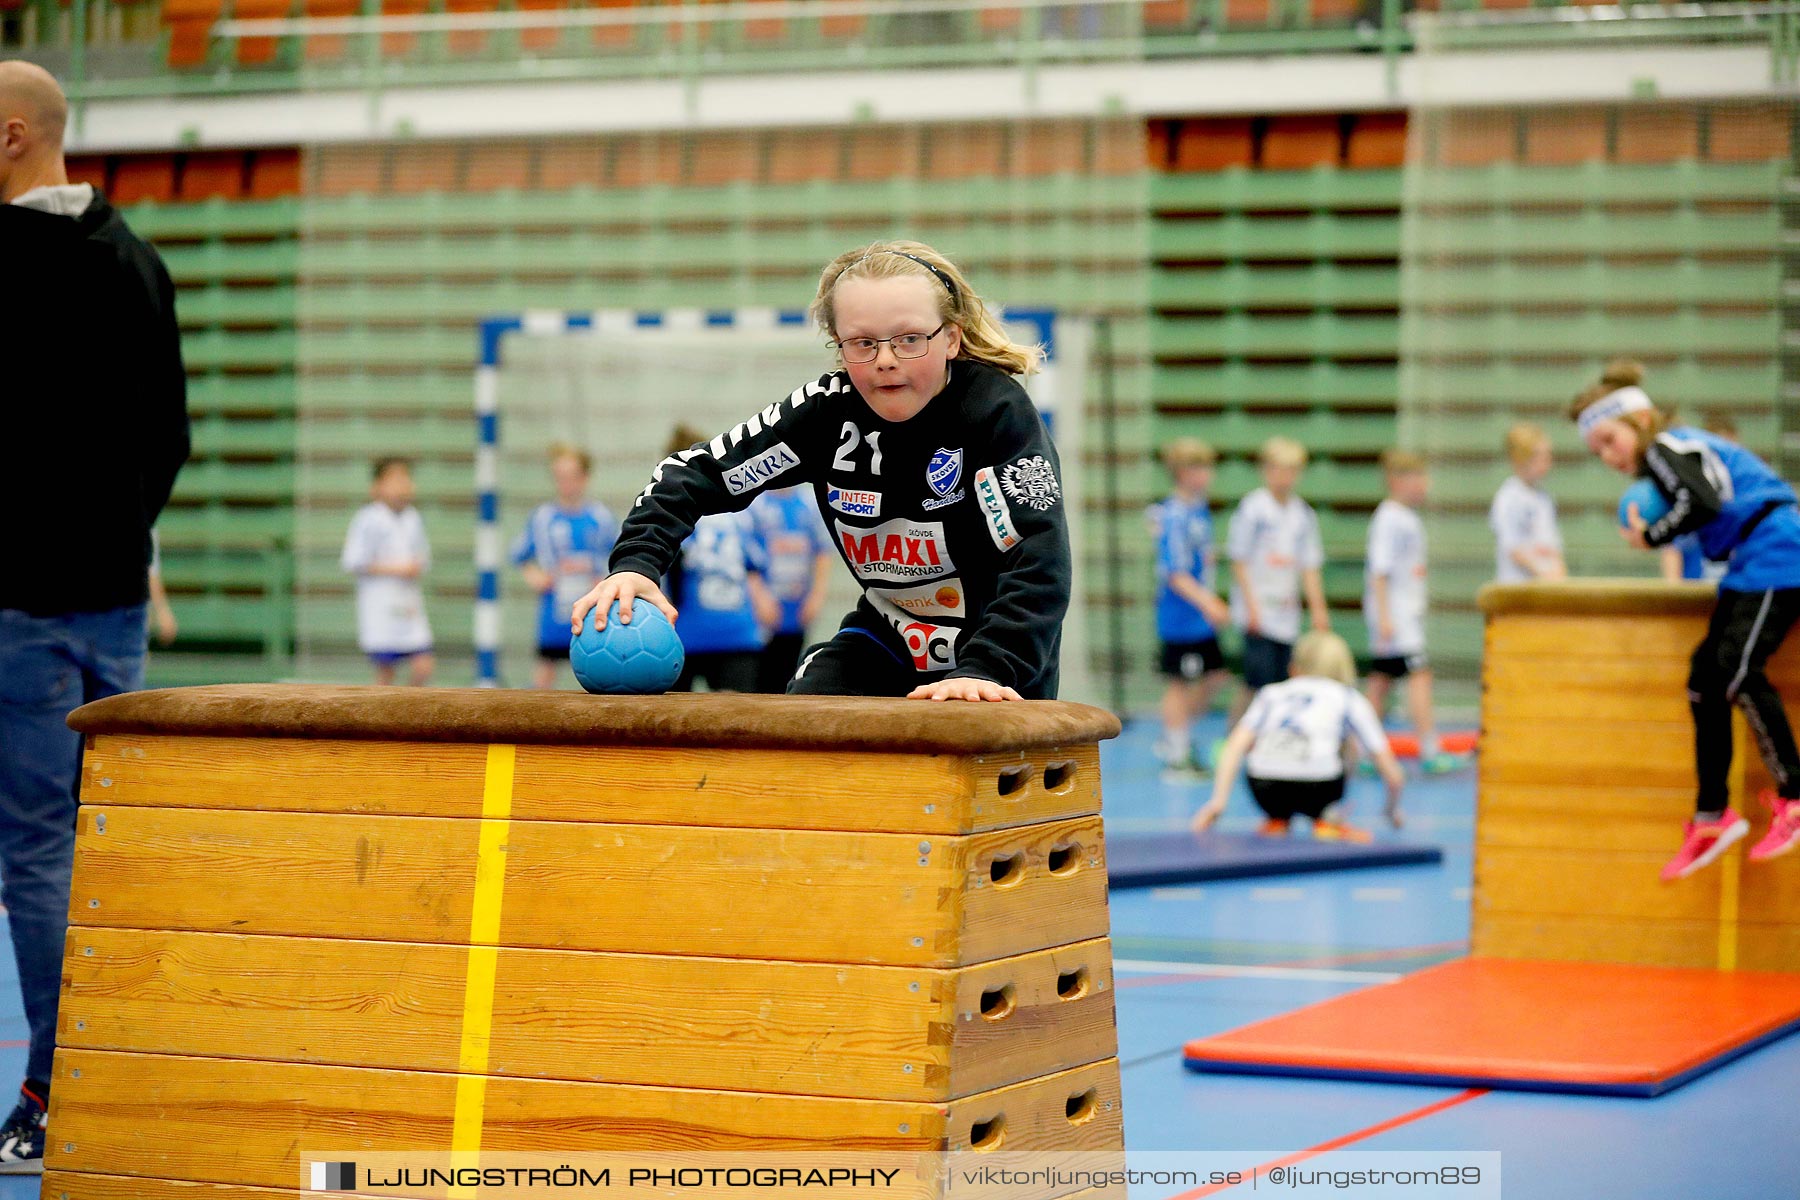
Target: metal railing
(440, 42)
(1775, 22)
(106, 49)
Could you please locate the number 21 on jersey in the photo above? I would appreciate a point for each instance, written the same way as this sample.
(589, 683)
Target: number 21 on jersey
(852, 437)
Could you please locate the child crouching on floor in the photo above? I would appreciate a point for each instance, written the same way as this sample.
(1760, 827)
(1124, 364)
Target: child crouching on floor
(1291, 742)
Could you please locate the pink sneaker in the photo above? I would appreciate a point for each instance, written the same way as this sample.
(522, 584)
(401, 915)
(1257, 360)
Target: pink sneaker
(1703, 843)
(1784, 830)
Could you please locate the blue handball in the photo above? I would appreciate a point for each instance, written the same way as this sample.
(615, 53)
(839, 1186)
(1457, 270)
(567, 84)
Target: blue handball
(1650, 503)
(640, 659)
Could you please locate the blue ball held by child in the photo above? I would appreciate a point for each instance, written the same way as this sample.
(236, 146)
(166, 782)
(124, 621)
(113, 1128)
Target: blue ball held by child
(640, 659)
(1650, 503)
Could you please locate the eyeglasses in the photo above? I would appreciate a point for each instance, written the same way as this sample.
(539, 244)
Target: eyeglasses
(905, 345)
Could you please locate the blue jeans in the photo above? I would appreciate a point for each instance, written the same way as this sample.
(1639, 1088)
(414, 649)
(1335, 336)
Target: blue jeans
(49, 666)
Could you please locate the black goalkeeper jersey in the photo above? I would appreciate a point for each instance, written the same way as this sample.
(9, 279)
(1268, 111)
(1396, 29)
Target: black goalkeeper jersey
(952, 522)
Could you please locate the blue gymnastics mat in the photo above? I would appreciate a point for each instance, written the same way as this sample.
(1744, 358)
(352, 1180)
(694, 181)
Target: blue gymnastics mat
(1154, 859)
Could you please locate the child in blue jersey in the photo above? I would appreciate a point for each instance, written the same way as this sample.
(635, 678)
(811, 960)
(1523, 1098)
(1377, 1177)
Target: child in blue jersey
(1742, 513)
(717, 584)
(1189, 612)
(799, 554)
(562, 553)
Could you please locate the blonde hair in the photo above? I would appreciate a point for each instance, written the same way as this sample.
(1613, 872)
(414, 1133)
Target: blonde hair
(1188, 452)
(1524, 440)
(559, 450)
(682, 437)
(1619, 373)
(1324, 654)
(1622, 373)
(1402, 462)
(984, 339)
(1282, 452)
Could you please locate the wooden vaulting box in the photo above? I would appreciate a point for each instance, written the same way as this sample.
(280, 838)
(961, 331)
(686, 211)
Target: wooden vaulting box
(348, 919)
(1587, 775)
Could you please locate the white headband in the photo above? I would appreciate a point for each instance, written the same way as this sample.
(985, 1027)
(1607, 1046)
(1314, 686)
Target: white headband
(1613, 404)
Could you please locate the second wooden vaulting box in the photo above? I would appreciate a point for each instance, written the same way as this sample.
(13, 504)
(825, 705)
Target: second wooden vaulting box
(309, 919)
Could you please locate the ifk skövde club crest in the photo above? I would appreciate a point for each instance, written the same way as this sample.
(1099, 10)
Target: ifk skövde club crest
(944, 471)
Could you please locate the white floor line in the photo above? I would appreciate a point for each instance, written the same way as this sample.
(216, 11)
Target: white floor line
(1247, 971)
(1378, 895)
(1176, 893)
(1277, 895)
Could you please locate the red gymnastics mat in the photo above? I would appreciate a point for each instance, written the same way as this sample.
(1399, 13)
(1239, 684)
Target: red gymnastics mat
(1599, 1028)
(1406, 745)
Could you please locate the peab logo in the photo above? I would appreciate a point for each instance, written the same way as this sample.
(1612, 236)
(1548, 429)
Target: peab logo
(333, 1176)
(994, 508)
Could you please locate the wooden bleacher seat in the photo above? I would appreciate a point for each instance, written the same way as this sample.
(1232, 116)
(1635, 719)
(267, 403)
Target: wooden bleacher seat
(190, 23)
(211, 174)
(1296, 143)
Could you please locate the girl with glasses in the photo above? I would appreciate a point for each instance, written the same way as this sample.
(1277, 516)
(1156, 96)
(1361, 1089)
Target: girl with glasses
(931, 468)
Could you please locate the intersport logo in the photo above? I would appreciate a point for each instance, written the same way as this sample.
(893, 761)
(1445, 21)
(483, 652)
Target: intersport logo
(854, 503)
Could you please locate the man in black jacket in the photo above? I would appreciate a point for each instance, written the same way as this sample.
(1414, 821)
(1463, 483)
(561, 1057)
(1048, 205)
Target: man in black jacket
(95, 413)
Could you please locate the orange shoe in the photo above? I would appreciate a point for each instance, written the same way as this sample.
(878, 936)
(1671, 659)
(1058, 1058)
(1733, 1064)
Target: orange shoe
(1337, 831)
(1272, 828)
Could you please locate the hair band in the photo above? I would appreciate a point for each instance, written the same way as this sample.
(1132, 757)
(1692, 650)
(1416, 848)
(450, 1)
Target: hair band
(1628, 399)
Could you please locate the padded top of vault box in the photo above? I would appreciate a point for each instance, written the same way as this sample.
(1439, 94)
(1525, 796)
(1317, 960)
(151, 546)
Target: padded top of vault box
(567, 718)
(1599, 598)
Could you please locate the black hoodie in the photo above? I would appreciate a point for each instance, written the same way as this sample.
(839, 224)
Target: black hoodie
(95, 409)
(952, 522)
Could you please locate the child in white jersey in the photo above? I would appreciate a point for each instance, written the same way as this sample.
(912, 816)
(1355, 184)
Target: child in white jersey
(1394, 603)
(1277, 558)
(1292, 743)
(1528, 544)
(386, 550)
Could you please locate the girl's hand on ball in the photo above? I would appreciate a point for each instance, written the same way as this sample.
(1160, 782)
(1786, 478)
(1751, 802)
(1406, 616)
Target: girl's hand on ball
(625, 587)
(1633, 533)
